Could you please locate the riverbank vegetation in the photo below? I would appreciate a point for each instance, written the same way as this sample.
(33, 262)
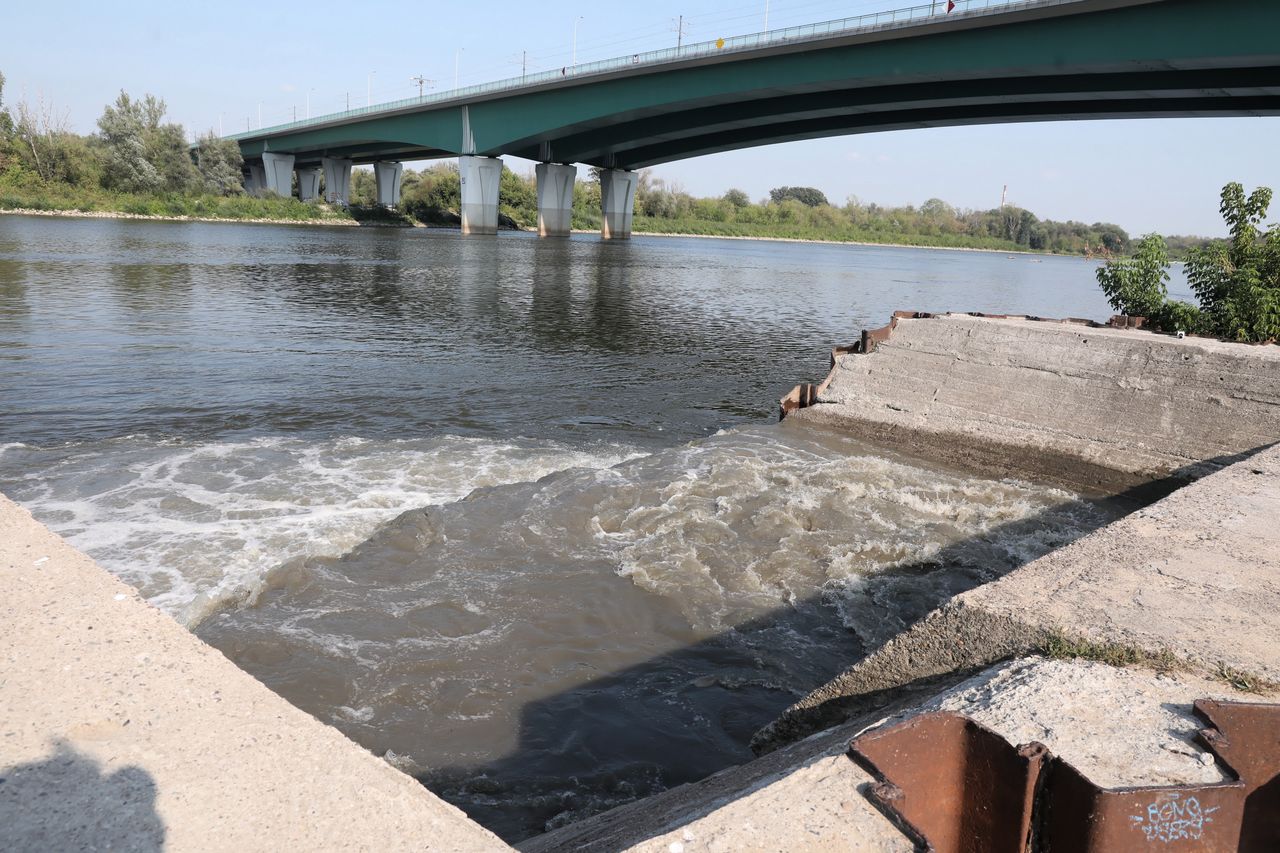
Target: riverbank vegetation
(789, 212)
(1236, 282)
(137, 163)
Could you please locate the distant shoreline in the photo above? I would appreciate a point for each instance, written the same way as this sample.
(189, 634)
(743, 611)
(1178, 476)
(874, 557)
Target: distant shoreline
(113, 214)
(351, 223)
(838, 243)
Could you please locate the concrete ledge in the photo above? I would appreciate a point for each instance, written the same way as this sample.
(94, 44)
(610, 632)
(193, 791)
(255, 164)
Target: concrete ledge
(119, 729)
(1195, 576)
(1093, 407)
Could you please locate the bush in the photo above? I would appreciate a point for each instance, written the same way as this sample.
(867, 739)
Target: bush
(1238, 283)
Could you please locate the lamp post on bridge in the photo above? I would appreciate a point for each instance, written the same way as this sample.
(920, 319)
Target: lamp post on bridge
(576, 21)
(457, 54)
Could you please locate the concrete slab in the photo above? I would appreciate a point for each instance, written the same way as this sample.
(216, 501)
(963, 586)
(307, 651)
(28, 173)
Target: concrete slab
(119, 729)
(1091, 407)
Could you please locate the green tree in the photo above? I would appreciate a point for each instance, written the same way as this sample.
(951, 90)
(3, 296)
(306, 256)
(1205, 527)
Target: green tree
(436, 195)
(123, 127)
(518, 197)
(736, 198)
(43, 144)
(6, 130)
(1238, 283)
(142, 154)
(219, 162)
(363, 191)
(1139, 287)
(807, 196)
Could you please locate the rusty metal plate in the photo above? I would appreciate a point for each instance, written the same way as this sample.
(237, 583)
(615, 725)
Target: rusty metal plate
(1246, 737)
(951, 784)
(1076, 816)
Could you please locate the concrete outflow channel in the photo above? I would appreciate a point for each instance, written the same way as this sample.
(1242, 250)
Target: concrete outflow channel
(1116, 694)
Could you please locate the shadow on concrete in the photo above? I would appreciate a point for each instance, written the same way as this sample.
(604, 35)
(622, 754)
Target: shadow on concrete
(68, 802)
(682, 716)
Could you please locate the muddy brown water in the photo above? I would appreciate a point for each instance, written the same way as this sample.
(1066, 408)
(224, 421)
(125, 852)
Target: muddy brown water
(514, 514)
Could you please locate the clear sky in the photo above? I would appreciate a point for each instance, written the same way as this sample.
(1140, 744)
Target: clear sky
(222, 63)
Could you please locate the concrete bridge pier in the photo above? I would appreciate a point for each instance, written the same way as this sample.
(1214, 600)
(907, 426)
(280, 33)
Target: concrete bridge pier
(555, 198)
(254, 180)
(386, 175)
(308, 183)
(337, 179)
(617, 203)
(278, 173)
(480, 177)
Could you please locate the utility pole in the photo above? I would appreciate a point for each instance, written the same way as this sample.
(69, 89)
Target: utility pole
(524, 64)
(421, 81)
(679, 33)
(348, 102)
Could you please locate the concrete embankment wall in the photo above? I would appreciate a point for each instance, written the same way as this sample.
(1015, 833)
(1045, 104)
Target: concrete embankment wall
(1092, 407)
(119, 729)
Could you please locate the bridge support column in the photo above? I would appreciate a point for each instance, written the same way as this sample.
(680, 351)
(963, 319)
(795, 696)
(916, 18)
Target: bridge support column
(555, 198)
(617, 203)
(278, 173)
(387, 178)
(308, 183)
(254, 180)
(480, 178)
(337, 179)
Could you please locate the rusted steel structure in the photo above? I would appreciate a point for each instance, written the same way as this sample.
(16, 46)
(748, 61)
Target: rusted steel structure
(954, 786)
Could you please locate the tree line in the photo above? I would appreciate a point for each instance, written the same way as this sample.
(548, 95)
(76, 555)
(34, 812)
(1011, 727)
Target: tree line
(135, 162)
(432, 196)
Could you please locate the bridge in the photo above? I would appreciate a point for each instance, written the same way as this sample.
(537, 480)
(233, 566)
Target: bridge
(984, 62)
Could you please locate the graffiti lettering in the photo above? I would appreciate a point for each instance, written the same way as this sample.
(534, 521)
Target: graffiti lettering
(1172, 817)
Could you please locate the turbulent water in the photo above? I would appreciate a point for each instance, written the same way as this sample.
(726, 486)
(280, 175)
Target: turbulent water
(512, 513)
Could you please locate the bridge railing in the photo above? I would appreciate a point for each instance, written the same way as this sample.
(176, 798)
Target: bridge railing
(866, 23)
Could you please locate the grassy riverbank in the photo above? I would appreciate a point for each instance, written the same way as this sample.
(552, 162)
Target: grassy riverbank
(804, 233)
(55, 197)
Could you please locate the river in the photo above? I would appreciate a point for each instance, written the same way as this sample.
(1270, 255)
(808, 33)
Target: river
(513, 513)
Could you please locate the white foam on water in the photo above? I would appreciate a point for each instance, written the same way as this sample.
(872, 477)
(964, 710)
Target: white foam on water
(742, 523)
(192, 525)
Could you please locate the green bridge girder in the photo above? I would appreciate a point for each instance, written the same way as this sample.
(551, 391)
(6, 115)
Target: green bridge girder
(1078, 60)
